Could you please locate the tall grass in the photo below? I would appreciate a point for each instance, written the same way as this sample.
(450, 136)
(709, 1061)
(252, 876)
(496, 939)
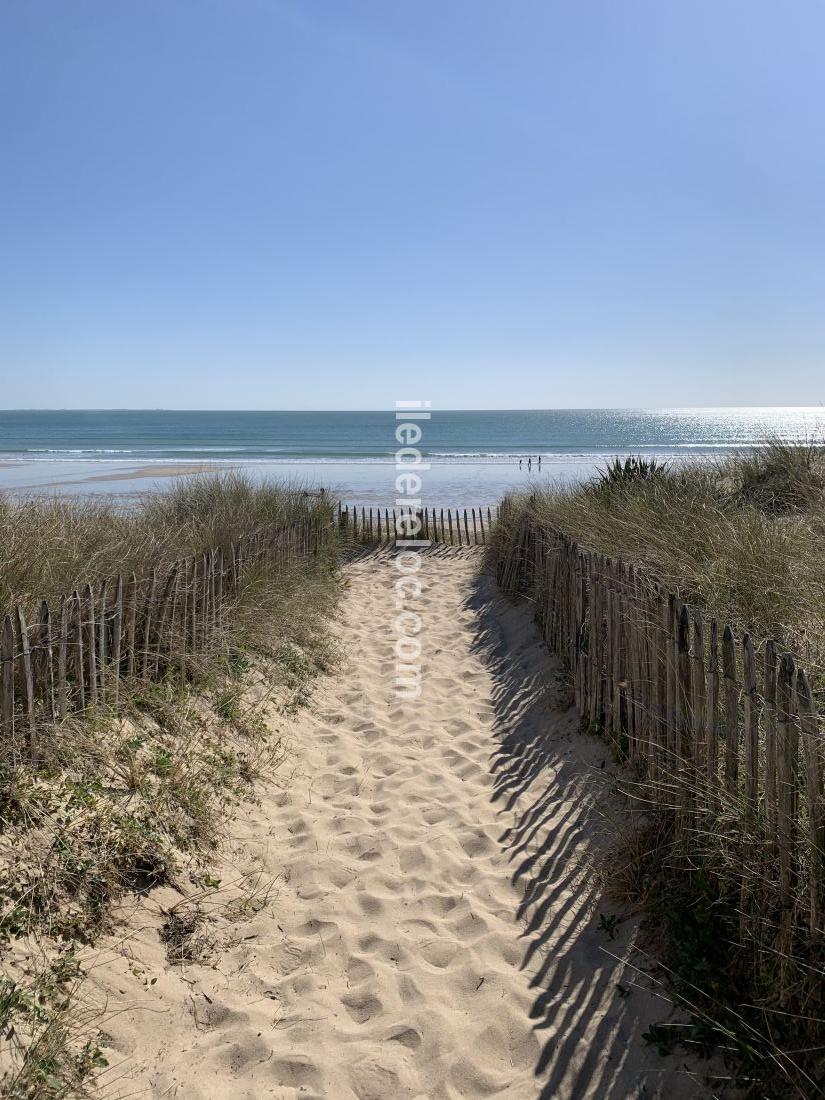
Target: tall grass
(48, 545)
(124, 801)
(714, 534)
(781, 478)
(745, 540)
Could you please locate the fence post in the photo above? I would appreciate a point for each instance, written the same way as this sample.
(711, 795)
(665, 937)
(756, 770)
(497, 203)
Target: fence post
(698, 702)
(713, 716)
(166, 609)
(149, 610)
(813, 744)
(218, 594)
(7, 652)
(28, 682)
(787, 796)
(89, 624)
(79, 663)
(731, 715)
(101, 640)
(771, 668)
(751, 705)
(204, 609)
(684, 697)
(671, 684)
(45, 662)
(62, 648)
(117, 640)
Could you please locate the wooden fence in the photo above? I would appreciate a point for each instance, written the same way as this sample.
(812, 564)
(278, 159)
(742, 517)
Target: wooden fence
(73, 654)
(723, 729)
(450, 526)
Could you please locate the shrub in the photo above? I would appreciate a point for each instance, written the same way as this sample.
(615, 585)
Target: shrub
(629, 471)
(779, 478)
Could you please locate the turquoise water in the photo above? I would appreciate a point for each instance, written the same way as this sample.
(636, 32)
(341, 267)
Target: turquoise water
(473, 456)
(150, 436)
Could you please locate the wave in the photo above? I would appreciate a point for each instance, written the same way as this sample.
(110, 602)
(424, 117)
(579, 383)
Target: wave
(130, 457)
(167, 451)
(79, 451)
(466, 459)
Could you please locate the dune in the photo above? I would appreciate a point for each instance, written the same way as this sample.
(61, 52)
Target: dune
(415, 909)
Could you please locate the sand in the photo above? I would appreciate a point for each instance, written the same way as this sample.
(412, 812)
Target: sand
(414, 910)
(135, 473)
(180, 470)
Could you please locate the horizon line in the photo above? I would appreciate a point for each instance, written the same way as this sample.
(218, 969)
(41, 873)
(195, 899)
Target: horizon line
(392, 408)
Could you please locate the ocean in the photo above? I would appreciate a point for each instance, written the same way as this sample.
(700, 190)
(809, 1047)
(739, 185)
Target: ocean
(473, 456)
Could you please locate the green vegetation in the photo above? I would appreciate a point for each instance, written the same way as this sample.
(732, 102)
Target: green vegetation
(721, 535)
(628, 471)
(744, 539)
(49, 1053)
(52, 544)
(781, 479)
(123, 801)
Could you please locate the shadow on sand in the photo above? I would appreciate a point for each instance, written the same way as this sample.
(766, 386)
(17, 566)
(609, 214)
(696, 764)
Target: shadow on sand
(554, 789)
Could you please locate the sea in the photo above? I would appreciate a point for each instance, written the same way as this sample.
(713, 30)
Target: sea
(468, 457)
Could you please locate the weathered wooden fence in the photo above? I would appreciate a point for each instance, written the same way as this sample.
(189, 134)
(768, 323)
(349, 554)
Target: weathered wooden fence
(73, 654)
(723, 729)
(450, 526)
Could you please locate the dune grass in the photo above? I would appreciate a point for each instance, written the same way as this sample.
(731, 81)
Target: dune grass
(122, 802)
(50, 544)
(745, 540)
(722, 535)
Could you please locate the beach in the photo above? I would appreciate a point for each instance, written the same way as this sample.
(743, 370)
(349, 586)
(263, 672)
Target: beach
(428, 921)
(360, 483)
(469, 458)
(412, 551)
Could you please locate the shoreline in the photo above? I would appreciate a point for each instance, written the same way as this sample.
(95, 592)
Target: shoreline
(462, 482)
(364, 484)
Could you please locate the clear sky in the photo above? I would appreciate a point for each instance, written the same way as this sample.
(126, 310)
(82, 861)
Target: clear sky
(332, 204)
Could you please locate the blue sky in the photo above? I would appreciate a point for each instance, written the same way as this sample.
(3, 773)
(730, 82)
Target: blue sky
(332, 204)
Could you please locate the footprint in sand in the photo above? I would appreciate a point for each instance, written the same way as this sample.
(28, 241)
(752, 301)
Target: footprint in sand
(396, 959)
(362, 1006)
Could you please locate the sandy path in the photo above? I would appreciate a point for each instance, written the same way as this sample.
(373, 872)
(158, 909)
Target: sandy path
(436, 931)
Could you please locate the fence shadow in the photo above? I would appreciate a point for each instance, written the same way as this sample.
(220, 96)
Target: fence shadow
(552, 786)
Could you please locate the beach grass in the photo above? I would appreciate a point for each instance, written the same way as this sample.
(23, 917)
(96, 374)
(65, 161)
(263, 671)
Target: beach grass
(50, 544)
(743, 539)
(120, 802)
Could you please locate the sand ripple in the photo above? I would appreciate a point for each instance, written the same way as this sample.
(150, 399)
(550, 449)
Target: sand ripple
(435, 930)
